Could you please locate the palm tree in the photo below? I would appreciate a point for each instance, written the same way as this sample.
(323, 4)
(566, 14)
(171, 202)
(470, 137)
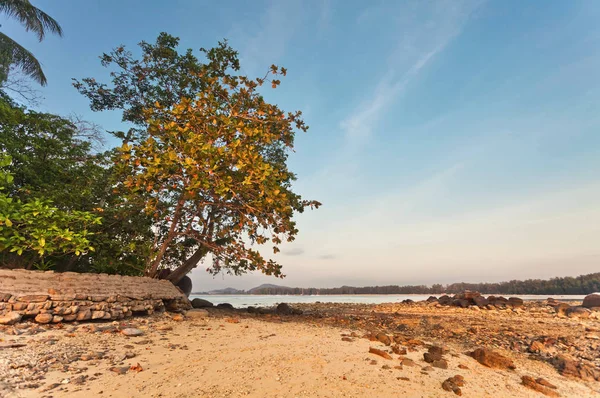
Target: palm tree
(11, 52)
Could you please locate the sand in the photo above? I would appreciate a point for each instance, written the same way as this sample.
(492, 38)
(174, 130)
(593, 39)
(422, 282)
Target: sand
(226, 355)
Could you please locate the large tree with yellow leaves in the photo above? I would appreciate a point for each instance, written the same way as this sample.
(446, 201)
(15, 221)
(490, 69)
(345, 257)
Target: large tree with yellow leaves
(206, 157)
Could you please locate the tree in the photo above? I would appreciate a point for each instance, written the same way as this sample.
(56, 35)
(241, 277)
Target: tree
(35, 230)
(207, 156)
(52, 161)
(11, 52)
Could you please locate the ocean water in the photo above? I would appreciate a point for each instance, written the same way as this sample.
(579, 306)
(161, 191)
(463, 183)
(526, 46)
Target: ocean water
(245, 300)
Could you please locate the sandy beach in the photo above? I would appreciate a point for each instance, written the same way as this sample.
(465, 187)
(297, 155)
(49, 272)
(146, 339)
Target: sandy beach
(324, 352)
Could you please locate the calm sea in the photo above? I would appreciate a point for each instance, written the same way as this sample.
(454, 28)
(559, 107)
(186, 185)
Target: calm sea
(245, 300)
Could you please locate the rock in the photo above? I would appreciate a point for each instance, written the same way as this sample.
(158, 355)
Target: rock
(480, 301)
(545, 383)
(537, 346)
(197, 314)
(84, 315)
(57, 319)
(10, 318)
(433, 354)
(178, 318)
(381, 353)
(284, 309)
(569, 367)
(462, 366)
(463, 303)
(432, 299)
(33, 298)
(492, 359)
(529, 382)
(201, 303)
(132, 332)
(440, 363)
(561, 308)
(453, 384)
(384, 338)
(445, 300)
(98, 314)
(225, 306)
(399, 350)
(408, 362)
(515, 302)
(121, 370)
(591, 300)
(578, 312)
(185, 285)
(44, 318)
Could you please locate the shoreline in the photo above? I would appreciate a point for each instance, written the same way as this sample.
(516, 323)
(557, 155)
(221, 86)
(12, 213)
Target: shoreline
(322, 353)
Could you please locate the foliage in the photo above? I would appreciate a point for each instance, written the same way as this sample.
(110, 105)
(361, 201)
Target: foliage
(52, 161)
(207, 156)
(38, 229)
(11, 52)
(162, 75)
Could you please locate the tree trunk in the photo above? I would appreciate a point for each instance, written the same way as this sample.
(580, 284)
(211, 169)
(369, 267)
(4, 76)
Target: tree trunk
(188, 265)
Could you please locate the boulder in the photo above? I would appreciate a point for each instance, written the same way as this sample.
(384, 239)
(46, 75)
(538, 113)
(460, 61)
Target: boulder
(10, 318)
(492, 359)
(530, 382)
(578, 312)
(185, 284)
(225, 306)
(132, 332)
(515, 302)
(440, 363)
(591, 300)
(284, 309)
(432, 299)
(567, 366)
(463, 303)
(201, 303)
(384, 338)
(445, 300)
(44, 318)
(480, 301)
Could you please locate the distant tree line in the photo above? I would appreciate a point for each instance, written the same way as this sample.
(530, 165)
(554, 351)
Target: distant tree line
(583, 284)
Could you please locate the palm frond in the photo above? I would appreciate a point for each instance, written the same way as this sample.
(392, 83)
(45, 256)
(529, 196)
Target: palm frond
(12, 53)
(32, 17)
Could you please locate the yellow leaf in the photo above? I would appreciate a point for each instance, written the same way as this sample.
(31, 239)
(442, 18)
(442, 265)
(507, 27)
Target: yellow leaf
(42, 242)
(8, 223)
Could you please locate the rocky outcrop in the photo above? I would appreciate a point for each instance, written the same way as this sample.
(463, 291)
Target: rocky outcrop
(591, 301)
(201, 303)
(49, 297)
(492, 359)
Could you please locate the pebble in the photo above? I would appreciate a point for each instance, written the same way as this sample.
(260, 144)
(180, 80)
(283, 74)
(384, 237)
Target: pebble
(132, 332)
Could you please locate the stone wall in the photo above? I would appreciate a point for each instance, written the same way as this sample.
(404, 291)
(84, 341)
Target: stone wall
(47, 296)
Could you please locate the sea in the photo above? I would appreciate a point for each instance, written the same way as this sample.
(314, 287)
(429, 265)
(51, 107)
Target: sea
(245, 300)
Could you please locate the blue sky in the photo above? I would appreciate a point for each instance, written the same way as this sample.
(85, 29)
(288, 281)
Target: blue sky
(449, 140)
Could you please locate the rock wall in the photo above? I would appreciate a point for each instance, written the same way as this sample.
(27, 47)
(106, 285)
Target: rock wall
(47, 296)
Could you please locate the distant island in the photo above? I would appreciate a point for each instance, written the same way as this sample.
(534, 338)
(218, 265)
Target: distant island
(583, 284)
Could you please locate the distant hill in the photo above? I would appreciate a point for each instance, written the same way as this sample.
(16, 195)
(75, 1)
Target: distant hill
(227, 290)
(268, 288)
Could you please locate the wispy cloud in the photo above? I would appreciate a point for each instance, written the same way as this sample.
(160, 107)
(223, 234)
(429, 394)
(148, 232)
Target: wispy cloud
(296, 251)
(266, 42)
(417, 47)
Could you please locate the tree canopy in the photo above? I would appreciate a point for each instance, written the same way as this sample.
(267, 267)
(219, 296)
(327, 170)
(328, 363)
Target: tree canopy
(206, 156)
